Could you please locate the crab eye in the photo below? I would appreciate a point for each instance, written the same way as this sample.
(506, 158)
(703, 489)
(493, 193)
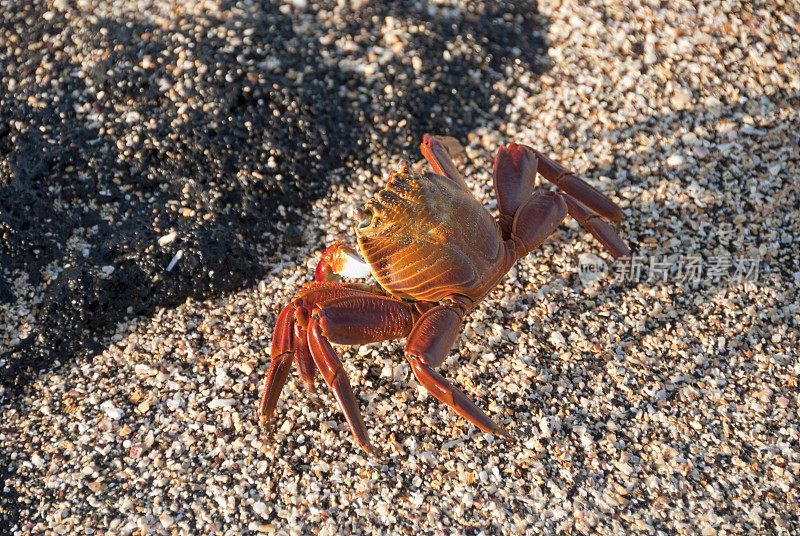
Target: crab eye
(364, 217)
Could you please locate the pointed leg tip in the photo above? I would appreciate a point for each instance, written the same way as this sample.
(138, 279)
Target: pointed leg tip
(310, 388)
(370, 450)
(504, 433)
(501, 432)
(623, 253)
(265, 423)
(264, 413)
(375, 454)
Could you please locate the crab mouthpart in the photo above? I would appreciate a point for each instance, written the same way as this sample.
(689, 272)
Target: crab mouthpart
(369, 218)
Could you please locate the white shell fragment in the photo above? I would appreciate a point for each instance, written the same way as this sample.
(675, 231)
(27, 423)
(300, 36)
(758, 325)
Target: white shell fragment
(175, 260)
(167, 238)
(221, 403)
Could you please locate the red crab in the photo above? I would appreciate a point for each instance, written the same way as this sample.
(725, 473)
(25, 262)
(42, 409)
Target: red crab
(435, 252)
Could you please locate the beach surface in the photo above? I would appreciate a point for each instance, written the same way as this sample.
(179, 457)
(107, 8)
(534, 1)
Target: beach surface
(171, 171)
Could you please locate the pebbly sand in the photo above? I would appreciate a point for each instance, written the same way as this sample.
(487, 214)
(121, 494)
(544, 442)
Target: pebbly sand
(661, 399)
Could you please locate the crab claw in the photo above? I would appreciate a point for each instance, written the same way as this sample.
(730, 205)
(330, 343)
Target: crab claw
(340, 260)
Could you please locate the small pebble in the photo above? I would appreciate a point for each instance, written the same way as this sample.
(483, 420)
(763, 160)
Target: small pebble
(557, 339)
(675, 160)
(681, 98)
(221, 403)
(167, 238)
(166, 520)
(114, 412)
(259, 508)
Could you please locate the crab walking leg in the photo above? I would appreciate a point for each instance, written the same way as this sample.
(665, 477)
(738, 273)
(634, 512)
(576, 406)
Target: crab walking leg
(355, 319)
(435, 333)
(444, 391)
(364, 319)
(282, 352)
(598, 227)
(290, 339)
(514, 176)
(438, 151)
(536, 219)
(577, 188)
(316, 293)
(303, 360)
(332, 371)
(428, 344)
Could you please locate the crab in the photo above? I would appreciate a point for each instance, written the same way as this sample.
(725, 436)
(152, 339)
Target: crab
(435, 253)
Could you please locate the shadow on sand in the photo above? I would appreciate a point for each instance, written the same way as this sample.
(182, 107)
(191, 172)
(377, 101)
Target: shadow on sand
(205, 127)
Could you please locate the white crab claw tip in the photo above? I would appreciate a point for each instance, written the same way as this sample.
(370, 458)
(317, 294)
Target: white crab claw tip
(353, 266)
